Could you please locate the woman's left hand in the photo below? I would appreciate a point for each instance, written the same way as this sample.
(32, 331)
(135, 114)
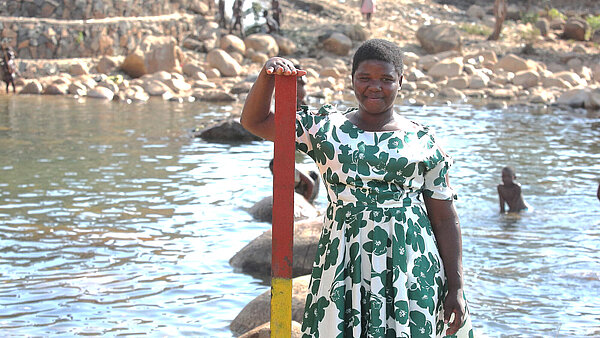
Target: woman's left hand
(454, 304)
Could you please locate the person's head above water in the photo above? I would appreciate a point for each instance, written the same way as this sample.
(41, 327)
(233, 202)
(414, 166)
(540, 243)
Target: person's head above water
(508, 175)
(381, 50)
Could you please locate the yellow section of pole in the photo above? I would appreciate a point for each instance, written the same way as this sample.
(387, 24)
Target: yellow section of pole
(281, 307)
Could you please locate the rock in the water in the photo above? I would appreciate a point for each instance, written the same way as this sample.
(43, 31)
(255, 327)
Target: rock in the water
(228, 131)
(255, 258)
(258, 311)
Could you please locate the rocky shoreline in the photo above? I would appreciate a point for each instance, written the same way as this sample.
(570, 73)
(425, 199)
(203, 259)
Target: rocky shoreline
(185, 56)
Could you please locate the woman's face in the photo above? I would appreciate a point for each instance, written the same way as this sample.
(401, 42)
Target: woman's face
(376, 86)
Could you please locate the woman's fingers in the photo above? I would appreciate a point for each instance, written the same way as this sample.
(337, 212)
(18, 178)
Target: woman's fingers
(454, 325)
(281, 66)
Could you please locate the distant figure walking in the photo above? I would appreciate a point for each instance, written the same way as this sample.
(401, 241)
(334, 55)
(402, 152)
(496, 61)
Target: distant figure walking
(367, 8)
(276, 12)
(222, 19)
(272, 25)
(237, 17)
(509, 192)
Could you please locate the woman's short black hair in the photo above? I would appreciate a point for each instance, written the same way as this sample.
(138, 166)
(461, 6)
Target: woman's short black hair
(379, 49)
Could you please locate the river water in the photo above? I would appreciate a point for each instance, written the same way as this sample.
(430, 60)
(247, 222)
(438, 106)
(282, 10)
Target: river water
(114, 221)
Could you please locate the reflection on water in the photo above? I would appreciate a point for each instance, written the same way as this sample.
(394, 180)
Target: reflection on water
(114, 221)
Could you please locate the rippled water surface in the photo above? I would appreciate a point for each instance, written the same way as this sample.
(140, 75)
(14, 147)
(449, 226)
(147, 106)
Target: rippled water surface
(113, 220)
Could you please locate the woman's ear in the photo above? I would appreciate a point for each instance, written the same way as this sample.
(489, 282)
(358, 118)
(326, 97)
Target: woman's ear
(400, 81)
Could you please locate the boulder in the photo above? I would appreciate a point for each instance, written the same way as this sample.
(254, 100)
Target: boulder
(478, 81)
(155, 53)
(100, 92)
(258, 311)
(221, 60)
(576, 29)
(155, 87)
(544, 26)
(232, 43)
(190, 69)
(228, 131)
(447, 68)
(452, 93)
(57, 89)
(263, 209)
(32, 87)
(177, 85)
(255, 258)
(106, 65)
(572, 78)
(439, 38)
(78, 68)
(262, 43)
(593, 99)
(459, 82)
(575, 98)
(338, 44)
(264, 331)
(77, 88)
(475, 12)
(526, 78)
(552, 81)
(286, 46)
(541, 96)
(512, 63)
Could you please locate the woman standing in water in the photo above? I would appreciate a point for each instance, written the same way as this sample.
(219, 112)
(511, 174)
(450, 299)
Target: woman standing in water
(389, 258)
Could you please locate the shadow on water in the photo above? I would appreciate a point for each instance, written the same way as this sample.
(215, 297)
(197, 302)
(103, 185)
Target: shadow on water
(113, 220)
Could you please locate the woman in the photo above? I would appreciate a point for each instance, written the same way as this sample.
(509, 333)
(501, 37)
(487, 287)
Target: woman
(379, 270)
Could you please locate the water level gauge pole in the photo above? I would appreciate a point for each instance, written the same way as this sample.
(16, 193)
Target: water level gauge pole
(283, 206)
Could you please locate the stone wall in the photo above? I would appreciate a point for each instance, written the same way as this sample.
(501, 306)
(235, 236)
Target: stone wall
(91, 9)
(33, 38)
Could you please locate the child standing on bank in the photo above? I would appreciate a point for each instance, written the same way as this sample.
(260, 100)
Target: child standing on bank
(509, 192)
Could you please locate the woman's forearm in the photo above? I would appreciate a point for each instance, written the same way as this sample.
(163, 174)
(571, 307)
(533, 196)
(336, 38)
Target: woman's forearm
(256, 114)
(446, 228)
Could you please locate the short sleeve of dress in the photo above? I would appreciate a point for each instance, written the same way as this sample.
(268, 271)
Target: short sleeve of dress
(308, 124)
(437, 164)
(304, 121)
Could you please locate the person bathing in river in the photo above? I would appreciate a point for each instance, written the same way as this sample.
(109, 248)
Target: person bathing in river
(389, 263)
(509, 192)
(305, 184)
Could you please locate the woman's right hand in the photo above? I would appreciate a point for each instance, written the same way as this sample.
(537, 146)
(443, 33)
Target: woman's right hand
(282, 66)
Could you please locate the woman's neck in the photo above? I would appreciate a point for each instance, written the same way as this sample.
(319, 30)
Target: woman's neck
(385, 121)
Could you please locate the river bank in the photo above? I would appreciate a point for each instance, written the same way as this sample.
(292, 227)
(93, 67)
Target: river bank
(184, 55)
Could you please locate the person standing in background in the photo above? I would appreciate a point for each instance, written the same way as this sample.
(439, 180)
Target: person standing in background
(276, 12)
(367, 8)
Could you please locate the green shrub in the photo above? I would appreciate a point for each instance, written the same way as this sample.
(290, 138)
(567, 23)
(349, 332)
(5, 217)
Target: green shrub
(553, 13)
(475, 29)
(530, 35)
(529, 17)
(594, 22)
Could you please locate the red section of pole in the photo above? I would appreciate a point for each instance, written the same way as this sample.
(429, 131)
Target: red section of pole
(283, 176)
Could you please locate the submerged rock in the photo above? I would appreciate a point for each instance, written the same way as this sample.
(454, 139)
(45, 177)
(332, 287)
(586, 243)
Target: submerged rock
(258, 311)
(255, 258)
(228, 131)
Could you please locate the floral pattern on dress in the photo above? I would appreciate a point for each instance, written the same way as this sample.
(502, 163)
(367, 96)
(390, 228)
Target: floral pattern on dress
(377, 272)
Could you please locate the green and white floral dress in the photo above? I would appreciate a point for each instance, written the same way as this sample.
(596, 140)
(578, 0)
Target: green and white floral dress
(378, 272)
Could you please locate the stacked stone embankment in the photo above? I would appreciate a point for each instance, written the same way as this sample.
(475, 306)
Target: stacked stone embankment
(83, 10)
(33, 38)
